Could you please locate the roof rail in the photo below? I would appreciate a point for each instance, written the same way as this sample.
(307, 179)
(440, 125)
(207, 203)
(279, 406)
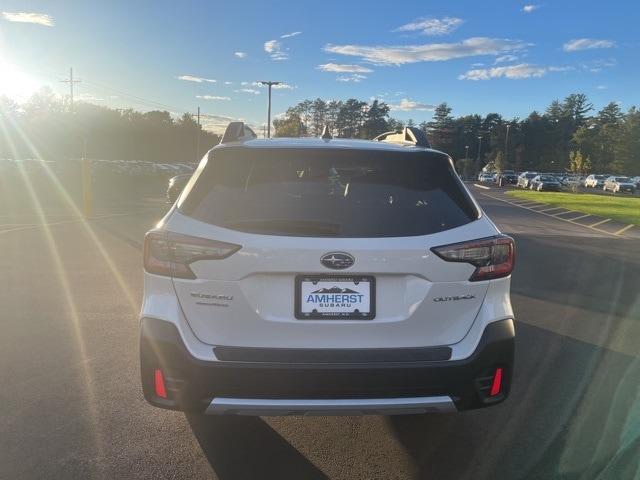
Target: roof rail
(407, 136)
(237, 132)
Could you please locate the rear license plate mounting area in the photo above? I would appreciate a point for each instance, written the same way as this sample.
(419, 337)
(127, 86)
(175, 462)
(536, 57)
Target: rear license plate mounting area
(335, 297)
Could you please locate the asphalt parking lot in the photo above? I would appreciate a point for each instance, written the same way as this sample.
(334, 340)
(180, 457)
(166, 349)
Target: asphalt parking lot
(72, 405)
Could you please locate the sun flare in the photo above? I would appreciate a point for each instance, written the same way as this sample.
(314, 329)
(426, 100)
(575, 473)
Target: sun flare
(16, 84)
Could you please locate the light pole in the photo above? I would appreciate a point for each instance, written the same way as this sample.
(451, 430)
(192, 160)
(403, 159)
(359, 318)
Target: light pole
(478, 158)
(466, 152)
(269, 84)
(506, 146)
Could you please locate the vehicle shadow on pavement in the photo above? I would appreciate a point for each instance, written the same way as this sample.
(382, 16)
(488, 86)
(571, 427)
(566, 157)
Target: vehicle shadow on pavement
(580, 411)
(246, 447)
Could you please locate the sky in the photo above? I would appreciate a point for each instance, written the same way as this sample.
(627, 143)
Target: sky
(508, 57)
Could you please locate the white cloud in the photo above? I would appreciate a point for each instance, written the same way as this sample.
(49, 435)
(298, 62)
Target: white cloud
(432, 26)
(280, 86)
(586, 44)
(240, 54)
(228, 83)
(530, 8)
(506, 58)
(596, 66)
(523, 70)
(271, 46)
(191, 78)
(26, 17)
(219, 123)
(431, 52)
(274, 49)
(601, 87)
(253, 91)
(280, 56)
(355, 77)
(212, 97)
(283, 86)
(343, 68)
(289, 35)
(407, 105)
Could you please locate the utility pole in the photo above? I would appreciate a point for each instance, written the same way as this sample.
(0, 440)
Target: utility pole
(198, 138)
(269, 84)
(71, 81)
(506, 146)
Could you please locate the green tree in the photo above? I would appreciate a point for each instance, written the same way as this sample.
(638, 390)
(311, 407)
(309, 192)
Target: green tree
(579, 164)
(375, 121)
(628, 144)
(290, 126)
(441, 128)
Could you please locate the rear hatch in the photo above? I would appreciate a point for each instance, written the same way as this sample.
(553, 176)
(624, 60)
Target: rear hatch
(328, 248)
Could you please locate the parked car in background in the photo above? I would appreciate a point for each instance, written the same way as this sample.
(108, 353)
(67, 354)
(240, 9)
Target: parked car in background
(545, 182)
(508, 177)
(486, 177)
(595, 181)
(619, 184)
(525, 178)
(636, 180)
(176, 185)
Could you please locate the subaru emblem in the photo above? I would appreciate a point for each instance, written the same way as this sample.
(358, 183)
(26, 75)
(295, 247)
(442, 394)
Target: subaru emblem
(337, 260)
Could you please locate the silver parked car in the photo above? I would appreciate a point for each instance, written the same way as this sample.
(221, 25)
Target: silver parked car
(619, 184)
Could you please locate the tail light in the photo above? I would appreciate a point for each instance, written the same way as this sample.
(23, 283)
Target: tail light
(158, 380)
(170, 254)
(493, 257)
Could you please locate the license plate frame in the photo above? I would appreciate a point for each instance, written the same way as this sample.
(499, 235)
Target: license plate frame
(346, 315)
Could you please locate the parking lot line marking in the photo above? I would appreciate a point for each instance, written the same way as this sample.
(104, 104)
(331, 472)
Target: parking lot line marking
(600, 222)
(564, 213)
(481, 186)
(578, 218)
(551, 209)
(624, 229)
(552, 216)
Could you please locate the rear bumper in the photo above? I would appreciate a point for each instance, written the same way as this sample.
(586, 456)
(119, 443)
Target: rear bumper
(276, 388)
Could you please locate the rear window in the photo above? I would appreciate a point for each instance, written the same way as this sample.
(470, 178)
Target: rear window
(328, 193)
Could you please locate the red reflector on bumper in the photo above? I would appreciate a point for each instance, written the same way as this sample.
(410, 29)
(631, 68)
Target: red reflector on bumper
(496, 385)
(161, 391)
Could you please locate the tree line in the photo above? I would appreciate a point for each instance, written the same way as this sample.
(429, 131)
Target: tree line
(568, 136)
(45, 127)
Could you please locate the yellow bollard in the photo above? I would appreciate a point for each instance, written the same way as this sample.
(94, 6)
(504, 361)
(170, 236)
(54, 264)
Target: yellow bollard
(87, 188)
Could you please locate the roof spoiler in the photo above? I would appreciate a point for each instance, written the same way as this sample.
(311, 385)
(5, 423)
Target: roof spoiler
(407, 136)
(237, 132)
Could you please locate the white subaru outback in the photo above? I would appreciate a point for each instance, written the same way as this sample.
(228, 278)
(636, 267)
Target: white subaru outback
(326, 276)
